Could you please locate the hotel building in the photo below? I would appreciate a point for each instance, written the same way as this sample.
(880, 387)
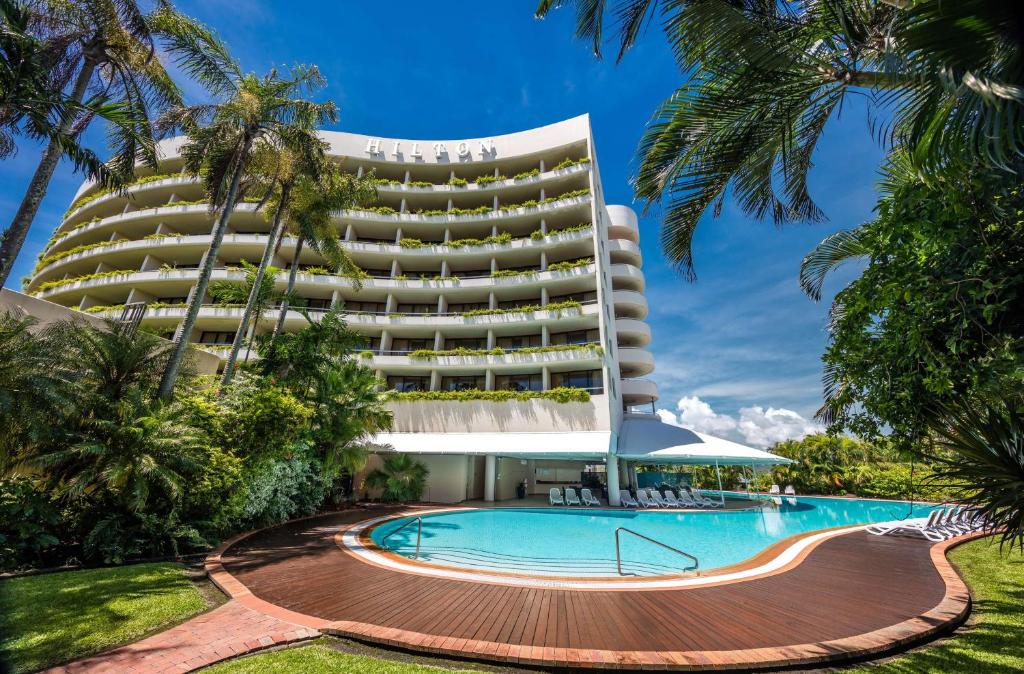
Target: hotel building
(491, 263)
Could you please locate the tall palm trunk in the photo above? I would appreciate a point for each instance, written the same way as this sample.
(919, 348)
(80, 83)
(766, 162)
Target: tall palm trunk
(254, 292)
(198, 292)
(292, 273)
(13, 237)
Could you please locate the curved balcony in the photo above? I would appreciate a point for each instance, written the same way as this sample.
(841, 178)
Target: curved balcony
(177, 282)
(127, 253)
(627, 277)
(630, 304)
(398, 362)
(168, 185)
(216, 317)
(624, 251)
(635, 362)
(639, 391)
(623, 223)
(473, 188)
(467, 218)
(141, 222)
(632, 332)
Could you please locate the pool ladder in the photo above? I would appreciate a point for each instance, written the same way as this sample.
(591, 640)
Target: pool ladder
(419, 534)
(618, 552)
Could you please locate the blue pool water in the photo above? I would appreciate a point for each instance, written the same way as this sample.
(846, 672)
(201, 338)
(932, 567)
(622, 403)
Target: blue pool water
(581, 542)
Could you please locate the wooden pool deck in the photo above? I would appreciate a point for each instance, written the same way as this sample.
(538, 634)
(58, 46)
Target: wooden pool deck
(848, 597)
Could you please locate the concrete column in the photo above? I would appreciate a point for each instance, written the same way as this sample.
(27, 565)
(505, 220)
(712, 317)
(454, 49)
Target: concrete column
(545, 378)
(531, 476)
(401, 208)
(438, 340)
(336, 299)
(543, 261)
(545, 335)
(492, 300)
(385, 340)
(492, 339)
(350, 233)
(398, 236)
(435, 380)
(632, 476)
(612, 472)
(490, 476)
(489, 380)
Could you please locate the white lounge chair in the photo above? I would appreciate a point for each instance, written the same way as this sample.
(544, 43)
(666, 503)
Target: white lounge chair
(588, 498)
(774, 490)
(700, 499)
(670, 498)
(685, 500)
(570, 496)
(933, 528)
(656, 497)
(555, 496)
(626, 499)
(645, 500)
(790, 491)
(882, 528)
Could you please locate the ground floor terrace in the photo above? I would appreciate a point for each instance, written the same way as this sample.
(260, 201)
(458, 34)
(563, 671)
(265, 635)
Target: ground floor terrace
(843, 596)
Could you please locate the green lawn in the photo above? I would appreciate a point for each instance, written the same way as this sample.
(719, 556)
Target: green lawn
(994, 642)
(317, 659)
(55, 617)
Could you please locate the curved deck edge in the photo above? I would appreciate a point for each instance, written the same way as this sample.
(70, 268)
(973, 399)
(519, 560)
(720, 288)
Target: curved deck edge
(948, 614)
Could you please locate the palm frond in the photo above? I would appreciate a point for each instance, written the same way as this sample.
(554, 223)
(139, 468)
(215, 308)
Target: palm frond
(827, 255)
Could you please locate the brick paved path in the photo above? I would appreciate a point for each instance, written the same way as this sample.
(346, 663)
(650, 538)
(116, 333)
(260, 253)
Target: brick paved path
(229, 630)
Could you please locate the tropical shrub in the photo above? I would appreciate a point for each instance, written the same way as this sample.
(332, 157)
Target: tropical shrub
(29, 523)
(275, 490)
(400, 478)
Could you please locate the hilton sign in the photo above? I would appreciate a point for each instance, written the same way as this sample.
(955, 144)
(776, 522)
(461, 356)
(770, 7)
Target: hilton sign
(464, 150)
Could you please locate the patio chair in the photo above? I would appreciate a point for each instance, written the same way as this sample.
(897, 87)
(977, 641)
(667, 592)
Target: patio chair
(699, 499)
(645, 500)
(588, 498)
(626, 499)
(555, 496)
(570, 496)
(657, 498)
(790, 491)
(774, 490)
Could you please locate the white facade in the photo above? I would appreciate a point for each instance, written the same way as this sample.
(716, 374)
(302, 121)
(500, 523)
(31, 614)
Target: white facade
(422, 294)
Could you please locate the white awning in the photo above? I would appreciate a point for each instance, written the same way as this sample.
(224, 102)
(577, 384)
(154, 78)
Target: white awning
(649, 440)
(565, 445)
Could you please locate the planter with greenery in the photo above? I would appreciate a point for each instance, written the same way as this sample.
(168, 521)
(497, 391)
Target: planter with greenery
(559, 395)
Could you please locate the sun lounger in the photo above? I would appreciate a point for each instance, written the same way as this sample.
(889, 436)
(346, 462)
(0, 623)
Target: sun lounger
(656, 497)
(790, 491)
(933, 528)
(701, 500)
(670, 498)
(555, 496)
(774, 490)
(645, 500)
(686, 501)
(570, 496)
(588, 498)
(626, 499)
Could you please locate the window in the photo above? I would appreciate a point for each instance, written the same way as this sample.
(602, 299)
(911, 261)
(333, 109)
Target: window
(467, 306)
(318, 304)
(469, 383)
(365, 307)
(407, 345)
(519, 382)
(417, 308)
(576, 337)
(217, 338)
(518, 342)
(405, 384)
(585, 379)
(583, 298)
(466, 343)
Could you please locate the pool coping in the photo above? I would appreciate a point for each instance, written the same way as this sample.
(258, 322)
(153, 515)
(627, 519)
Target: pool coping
(776, 558)
(951, 611)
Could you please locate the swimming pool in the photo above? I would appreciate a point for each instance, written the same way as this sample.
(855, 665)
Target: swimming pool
(581, 542)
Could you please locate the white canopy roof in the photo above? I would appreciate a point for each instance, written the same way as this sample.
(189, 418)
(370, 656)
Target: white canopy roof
(650, 440)
(564, 445)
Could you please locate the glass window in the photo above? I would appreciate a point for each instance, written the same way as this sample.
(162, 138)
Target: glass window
(406, 345)
(466, 343)
(585, 379)
(405, 384)
(217, 338)
(514, 342)
(519, 382)
(468, 383)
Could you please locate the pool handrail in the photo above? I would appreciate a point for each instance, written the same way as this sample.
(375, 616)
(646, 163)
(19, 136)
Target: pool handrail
(618, 552)
(419, 534)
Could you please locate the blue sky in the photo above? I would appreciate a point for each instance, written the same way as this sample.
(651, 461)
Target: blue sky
(743, 339)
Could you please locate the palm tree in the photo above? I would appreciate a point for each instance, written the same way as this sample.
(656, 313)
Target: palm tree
(350, 410)
(112, 47)
(766, 77)
(981, 453)
(221, 139)
(257, 294)
(276, 171)
(401, 477)
(311, 221)
(33, 384)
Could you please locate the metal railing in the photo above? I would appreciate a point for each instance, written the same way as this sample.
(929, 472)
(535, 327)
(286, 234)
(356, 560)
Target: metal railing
(419, 534)
(618, 553)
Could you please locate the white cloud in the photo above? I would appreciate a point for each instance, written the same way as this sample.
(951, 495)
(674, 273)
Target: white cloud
(756, 425)
(697, 415)
(764, 427)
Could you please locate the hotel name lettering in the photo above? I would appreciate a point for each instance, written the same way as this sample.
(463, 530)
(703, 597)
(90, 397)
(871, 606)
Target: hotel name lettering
(464, 150)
